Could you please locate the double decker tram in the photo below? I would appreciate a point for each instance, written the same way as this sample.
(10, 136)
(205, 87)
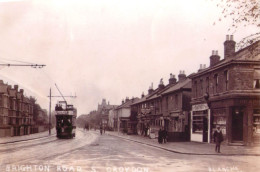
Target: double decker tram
(65, 120)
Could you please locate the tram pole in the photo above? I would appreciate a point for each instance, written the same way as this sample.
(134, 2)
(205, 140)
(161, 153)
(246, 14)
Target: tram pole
(50, 115)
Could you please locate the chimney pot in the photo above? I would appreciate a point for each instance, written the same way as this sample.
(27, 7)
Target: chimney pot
(182, 76)
(227, 37)
(231, 37)
(229, 47)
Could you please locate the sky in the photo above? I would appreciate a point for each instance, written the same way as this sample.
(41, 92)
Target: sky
(109, 49)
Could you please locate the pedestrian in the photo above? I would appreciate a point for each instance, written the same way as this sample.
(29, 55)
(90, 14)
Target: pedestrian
(218, 138)
(164, 135)
(160, 139)
(101, 130)
(104, 129)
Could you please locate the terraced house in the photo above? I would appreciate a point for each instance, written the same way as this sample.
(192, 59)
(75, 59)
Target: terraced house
(227, 94)
(16, 111)
(166, 107)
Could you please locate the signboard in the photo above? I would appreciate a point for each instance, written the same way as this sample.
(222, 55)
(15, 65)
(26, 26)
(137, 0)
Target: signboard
(200, 107)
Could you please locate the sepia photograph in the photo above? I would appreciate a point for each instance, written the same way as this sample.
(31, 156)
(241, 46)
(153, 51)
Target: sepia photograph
(129, 85)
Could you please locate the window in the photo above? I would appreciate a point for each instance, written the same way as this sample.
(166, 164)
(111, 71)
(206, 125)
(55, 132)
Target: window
(257, 83)
(167, 106)
(176, 100)
(196, 89)
(226, 75)
(207, 86)
(216, 83)
(201, 87)
(256, 79)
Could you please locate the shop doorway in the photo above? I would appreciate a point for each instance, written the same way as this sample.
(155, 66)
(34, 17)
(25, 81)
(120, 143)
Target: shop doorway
(205, 129)
(237, 125)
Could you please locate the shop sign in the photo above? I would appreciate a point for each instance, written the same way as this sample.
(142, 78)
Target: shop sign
(254, 102)
(219, 112)
(200, 107)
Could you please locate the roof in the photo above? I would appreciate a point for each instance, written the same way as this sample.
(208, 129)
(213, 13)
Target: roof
(244, 55)
(128, 103)
(180, 85)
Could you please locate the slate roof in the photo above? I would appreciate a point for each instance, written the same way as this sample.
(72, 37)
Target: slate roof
(128, 103)
(243, 55)
(180, 85)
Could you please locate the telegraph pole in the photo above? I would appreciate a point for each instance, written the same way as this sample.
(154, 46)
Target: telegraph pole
(50, 115)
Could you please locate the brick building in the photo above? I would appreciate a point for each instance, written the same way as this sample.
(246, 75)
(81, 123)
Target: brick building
(165, 107)
(227, 94)
(16, 111)
(176, 108)
(123, 114)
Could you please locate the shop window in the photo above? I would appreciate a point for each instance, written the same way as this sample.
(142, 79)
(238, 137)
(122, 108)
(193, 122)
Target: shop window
(256, 124)
(197, 124)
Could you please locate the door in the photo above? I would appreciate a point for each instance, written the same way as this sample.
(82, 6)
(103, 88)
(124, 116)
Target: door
(237, 125)
(205, 129)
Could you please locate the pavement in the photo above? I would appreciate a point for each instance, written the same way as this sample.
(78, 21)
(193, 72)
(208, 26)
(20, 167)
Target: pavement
(191, 148)
(6, 140)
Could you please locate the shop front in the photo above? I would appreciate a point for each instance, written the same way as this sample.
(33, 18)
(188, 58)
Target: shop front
(176, 125)
(200, 123)
(239, 120)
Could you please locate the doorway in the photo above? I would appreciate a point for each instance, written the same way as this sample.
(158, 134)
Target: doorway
(237, 125)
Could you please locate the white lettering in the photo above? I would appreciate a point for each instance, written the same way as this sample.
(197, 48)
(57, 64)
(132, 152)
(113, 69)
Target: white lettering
(58, 168)
(7, 168)
(126, 169)
(109, 169)
(93, 169)
(121, 169)
(78, 168)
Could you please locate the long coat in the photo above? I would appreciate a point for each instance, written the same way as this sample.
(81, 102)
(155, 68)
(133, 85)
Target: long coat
(218, 136)
(160, 136)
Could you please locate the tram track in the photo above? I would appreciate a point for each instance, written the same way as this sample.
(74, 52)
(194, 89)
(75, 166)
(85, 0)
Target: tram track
(43, 152)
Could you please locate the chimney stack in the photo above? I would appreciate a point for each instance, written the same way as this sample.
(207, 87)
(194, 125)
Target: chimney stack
(172, 79)
(161, 85)
(126, 99)
(123, 101)
(16, 87)
(214, 58)
(142, 95)
(150, 90)
(229, 47)
(182, 76)
(21, 91)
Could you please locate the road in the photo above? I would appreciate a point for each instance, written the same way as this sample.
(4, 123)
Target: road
(90, 152)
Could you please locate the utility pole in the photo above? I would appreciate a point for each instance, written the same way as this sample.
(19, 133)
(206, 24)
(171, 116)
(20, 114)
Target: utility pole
(50, 115)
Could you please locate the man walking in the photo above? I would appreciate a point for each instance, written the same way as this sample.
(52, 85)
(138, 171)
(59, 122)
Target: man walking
(218, 138)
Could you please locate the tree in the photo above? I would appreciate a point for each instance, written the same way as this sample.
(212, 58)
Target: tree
(242, 13)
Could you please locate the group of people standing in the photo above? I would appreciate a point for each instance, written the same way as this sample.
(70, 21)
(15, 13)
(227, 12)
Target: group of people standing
(162, 136)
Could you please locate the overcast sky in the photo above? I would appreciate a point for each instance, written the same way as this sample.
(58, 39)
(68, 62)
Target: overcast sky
(106, 49)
